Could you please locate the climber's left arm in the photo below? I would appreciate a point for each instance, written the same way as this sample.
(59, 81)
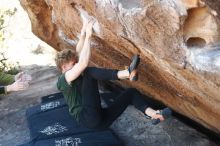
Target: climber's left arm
(80, 44)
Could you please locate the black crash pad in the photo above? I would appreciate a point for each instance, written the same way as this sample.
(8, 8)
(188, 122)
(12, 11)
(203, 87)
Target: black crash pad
(57, 122)
(45, 107)
(51, 124)
(98, 138)
(51, 97)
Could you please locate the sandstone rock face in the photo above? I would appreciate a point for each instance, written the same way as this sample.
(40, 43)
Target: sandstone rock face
(177, 40)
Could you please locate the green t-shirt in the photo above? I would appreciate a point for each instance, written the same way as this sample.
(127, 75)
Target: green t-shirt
(72, 94)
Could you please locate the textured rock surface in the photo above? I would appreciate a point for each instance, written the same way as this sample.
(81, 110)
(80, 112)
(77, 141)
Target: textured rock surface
(178, 42)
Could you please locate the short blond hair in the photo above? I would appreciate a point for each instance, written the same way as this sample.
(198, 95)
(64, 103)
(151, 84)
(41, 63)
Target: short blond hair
(65, 56)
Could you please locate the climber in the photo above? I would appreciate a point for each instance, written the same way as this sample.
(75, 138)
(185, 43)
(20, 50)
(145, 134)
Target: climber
(9, 83)
(78, 83)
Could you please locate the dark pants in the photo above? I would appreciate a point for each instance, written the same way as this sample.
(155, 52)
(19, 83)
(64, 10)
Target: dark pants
(93, 115)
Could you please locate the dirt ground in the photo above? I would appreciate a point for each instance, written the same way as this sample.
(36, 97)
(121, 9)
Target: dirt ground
(131, 127)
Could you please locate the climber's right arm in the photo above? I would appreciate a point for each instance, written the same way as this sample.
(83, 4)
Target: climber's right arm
(84, 57)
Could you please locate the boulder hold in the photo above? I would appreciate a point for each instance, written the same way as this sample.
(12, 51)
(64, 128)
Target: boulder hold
(178, 41)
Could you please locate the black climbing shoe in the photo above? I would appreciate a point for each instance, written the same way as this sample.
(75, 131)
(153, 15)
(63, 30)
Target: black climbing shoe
(133, 68)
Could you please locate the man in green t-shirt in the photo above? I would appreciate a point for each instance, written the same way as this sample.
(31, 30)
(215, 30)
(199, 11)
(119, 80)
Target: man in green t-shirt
(78, 83)
(9, 83)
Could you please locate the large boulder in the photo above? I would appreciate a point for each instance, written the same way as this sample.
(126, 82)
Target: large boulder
(176, 39)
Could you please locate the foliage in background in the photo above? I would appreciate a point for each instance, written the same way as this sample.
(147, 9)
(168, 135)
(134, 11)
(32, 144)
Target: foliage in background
(7, 67)
(5, 16)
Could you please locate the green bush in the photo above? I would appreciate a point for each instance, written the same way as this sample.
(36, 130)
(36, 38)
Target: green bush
(8, 67)
(4, 65)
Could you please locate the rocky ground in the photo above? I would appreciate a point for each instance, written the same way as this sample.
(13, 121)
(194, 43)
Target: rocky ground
(131, 127)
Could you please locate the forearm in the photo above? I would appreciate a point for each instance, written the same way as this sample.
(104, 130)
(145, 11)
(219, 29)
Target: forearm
(8, 89)
(5, 89)
(79, 45)
(85, 53)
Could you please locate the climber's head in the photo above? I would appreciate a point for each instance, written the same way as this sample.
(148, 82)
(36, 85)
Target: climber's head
(65, 60)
